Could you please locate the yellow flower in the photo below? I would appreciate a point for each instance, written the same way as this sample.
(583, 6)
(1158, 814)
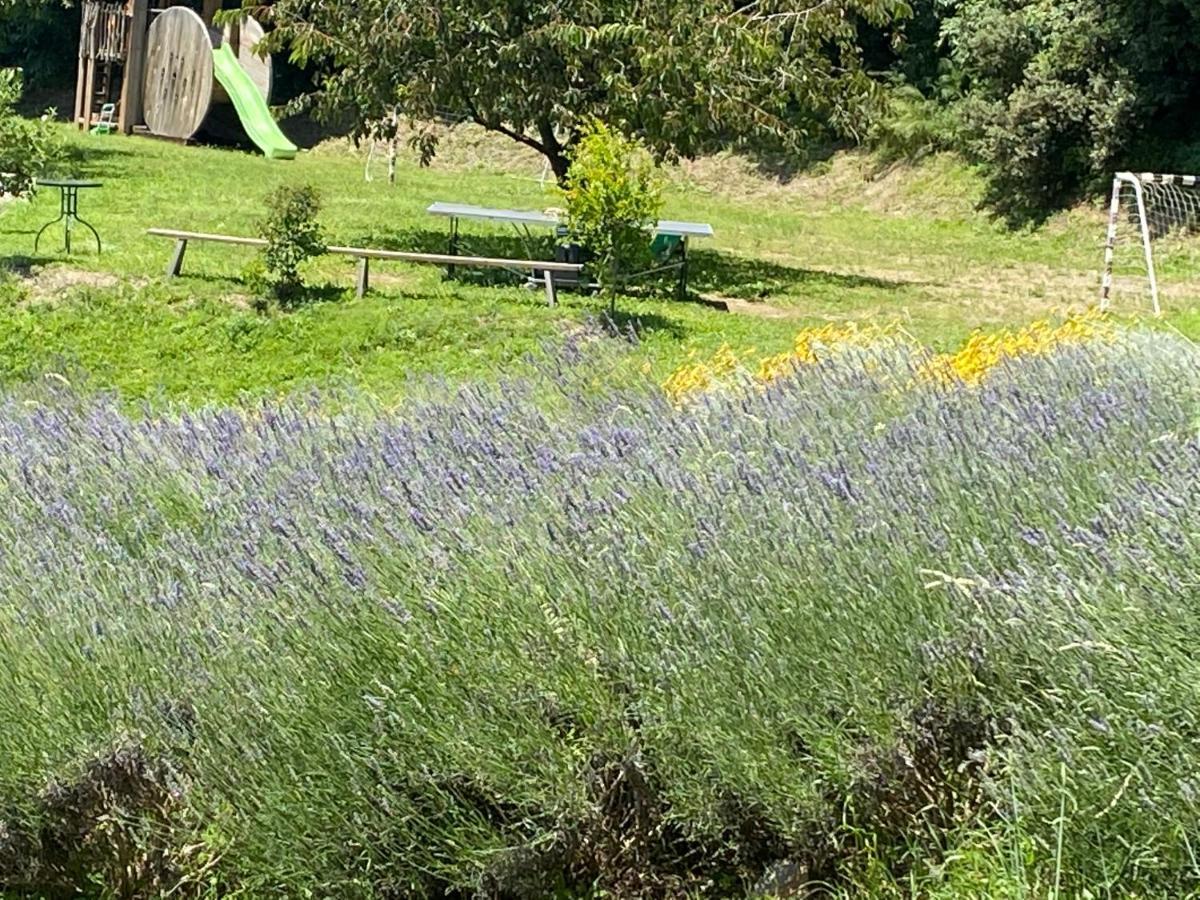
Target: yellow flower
(983, 352)
(970, 364)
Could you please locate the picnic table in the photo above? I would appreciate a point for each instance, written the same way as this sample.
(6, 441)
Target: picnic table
(68, 208)
(523, 220)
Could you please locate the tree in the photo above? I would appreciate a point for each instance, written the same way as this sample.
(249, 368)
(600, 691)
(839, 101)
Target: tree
(293, 237)
(1058, 93)
(683, 77)
(613, 195)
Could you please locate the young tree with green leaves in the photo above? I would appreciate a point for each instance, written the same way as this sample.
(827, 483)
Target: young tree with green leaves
(613, 194)
(684, 78)
(293, 237)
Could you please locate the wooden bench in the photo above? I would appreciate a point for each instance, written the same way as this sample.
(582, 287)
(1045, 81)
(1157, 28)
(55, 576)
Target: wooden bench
(544, 271)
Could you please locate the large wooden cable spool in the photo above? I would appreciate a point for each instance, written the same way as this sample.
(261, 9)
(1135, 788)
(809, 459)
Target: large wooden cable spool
(244, 37)
(180, 85)
(178, 90)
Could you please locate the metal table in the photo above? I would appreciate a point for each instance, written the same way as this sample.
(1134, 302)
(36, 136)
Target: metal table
(68, 208)
(524, 219)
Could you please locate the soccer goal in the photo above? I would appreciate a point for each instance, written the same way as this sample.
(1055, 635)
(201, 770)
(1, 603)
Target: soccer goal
(1150, 220)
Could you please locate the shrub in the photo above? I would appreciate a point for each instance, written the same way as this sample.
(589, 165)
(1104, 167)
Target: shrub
(28, 147)
(613, 195)
(911, 126)
(293, 237)
(1054, 94)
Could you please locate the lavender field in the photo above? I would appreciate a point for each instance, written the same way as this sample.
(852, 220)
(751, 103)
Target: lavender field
(855, 630)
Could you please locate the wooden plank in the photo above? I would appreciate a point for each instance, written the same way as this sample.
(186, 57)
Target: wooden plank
(81, 76)
(363, 254)
(88, 89)
(201, 236)
(80, 86)
(446, 259)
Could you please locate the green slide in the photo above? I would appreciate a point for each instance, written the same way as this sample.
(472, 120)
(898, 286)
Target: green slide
(251, 109)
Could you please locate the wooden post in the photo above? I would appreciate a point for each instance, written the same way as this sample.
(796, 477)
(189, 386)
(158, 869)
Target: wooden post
(551, 293)
(89, 90)
(210, 9)
(84, 64)
(80, 86)
(176, 264)
(362, 283)
(135, 67)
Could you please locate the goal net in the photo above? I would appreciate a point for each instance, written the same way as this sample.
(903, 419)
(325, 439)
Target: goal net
(1152, 221)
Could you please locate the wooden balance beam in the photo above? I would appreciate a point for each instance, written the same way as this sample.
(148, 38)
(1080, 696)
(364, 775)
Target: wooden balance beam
(364, 255)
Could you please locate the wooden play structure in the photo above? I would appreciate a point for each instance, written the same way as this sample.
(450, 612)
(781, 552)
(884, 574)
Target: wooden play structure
(164, 67)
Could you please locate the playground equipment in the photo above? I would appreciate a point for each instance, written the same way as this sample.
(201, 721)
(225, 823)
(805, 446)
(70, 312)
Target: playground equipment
(164, 67)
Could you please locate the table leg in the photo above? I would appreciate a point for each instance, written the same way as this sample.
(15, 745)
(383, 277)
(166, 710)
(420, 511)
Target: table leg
(526, 240)
(95, 234)
(683, 266)
(74, 215)
(453, 247)
(70, 199)
(68, 214)
(62, 214)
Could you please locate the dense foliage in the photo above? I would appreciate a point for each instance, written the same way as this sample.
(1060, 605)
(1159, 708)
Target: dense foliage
(846, 627)
(715, 74)
(1052, 96)
(613, 194)
(39, 37)
(27, 146)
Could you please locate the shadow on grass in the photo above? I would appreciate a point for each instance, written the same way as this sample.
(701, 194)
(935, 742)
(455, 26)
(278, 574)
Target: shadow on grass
(92, 162)
(22, 265)
(622, 321)
(783, 165)
(709, 271)
(313, 295)
(516, 245)
(746, 278)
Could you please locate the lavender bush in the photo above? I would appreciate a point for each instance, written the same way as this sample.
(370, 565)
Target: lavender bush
(542, 637)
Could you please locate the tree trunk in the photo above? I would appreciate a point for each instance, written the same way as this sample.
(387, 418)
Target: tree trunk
(559, 165)
(554, 151)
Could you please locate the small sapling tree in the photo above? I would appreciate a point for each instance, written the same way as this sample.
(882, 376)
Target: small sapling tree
(293, 237)
(613, 196)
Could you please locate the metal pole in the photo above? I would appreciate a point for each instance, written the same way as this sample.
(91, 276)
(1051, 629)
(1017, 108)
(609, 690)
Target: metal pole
(1114, 215)
(1141, 202)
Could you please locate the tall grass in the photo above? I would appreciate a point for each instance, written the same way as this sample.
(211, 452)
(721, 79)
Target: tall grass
(852, 627)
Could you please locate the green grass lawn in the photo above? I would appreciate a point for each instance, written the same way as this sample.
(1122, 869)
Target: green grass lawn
(904, 246)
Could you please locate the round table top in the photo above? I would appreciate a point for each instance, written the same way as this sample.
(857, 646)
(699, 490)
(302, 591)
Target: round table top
(67, 183)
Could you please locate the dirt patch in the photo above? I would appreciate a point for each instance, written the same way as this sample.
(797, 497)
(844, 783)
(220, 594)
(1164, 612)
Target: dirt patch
(50, 282)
